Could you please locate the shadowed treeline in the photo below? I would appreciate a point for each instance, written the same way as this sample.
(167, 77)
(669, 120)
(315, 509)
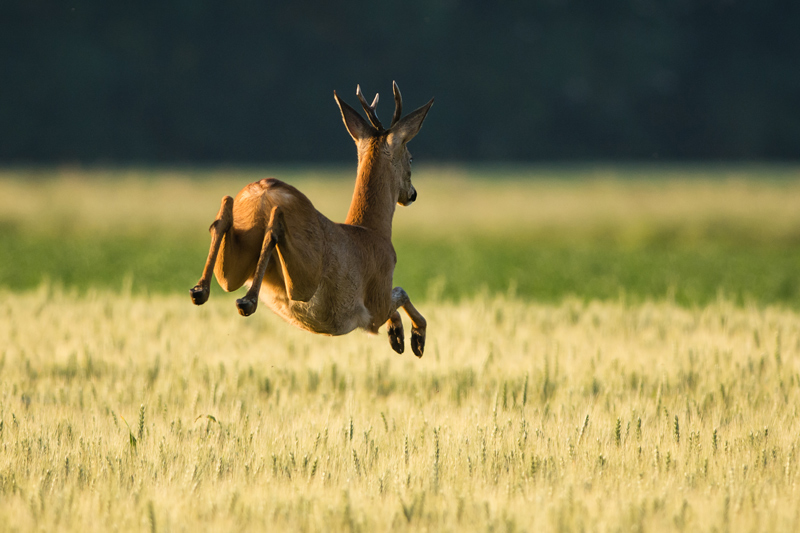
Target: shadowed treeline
(251, 82)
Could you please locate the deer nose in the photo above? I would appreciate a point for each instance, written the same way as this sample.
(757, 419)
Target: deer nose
(413, 196)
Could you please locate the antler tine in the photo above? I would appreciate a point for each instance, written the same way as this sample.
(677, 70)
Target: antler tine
(370, 109)
(398, 104)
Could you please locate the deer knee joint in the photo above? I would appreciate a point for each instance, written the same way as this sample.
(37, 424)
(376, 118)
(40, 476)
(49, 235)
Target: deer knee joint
(399, 297)
(224, 219)
(220, 225)
(226, 208)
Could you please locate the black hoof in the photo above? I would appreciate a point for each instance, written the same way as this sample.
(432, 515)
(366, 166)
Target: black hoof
(246, 307)
(199, 294)
(396, 339)
(417, 342)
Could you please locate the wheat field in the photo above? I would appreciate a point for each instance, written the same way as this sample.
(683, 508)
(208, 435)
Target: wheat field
(124, 412)
(126, 408)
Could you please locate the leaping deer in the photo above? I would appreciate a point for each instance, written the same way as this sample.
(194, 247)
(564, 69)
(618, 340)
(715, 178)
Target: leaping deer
(322, 276)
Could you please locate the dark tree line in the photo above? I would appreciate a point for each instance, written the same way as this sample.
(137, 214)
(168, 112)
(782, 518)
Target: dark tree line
(251, 81)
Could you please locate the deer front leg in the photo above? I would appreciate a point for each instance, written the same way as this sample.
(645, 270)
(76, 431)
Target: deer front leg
(418, 322)
(219, 227)
(247, 305)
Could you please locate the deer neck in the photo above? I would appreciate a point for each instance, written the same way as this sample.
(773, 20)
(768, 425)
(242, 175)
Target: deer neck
(374, 200)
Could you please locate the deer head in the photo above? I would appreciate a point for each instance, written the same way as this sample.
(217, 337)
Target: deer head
(383, 149)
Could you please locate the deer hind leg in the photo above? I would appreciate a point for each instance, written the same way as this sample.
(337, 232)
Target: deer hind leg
(418, 323)
(275, 232)
(219, 228)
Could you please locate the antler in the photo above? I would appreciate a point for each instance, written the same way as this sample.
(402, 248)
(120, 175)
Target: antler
(398, 104)
(370, 109)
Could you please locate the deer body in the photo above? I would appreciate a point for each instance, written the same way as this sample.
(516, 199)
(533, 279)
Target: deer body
(319, 275)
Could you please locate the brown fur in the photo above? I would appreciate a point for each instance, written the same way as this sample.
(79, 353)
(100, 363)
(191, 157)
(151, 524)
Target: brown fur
(322, 276)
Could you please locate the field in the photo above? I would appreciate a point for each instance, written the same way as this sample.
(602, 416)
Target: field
(609, 350)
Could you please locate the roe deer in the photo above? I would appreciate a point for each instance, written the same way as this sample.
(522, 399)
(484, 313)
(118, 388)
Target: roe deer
(322, 276)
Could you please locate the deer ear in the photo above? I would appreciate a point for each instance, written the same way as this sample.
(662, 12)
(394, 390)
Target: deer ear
(356, 126)
(408, 126)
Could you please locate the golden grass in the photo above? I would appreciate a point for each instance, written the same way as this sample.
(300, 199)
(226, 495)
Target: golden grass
(627, 205)
(121, 412)
(146, 413)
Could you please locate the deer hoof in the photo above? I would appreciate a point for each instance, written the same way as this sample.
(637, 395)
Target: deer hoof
(396, 339)
(199, 294)
(417, 342)
(246, 307)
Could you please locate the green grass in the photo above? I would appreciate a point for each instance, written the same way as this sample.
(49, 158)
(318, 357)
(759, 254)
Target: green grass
(550, 273)
(438, 268)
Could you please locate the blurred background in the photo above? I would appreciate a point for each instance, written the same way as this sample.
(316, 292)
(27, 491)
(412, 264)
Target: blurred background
(611, 149)
(251, 82)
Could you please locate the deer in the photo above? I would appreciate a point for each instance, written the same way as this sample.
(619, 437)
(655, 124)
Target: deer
(324, 277)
